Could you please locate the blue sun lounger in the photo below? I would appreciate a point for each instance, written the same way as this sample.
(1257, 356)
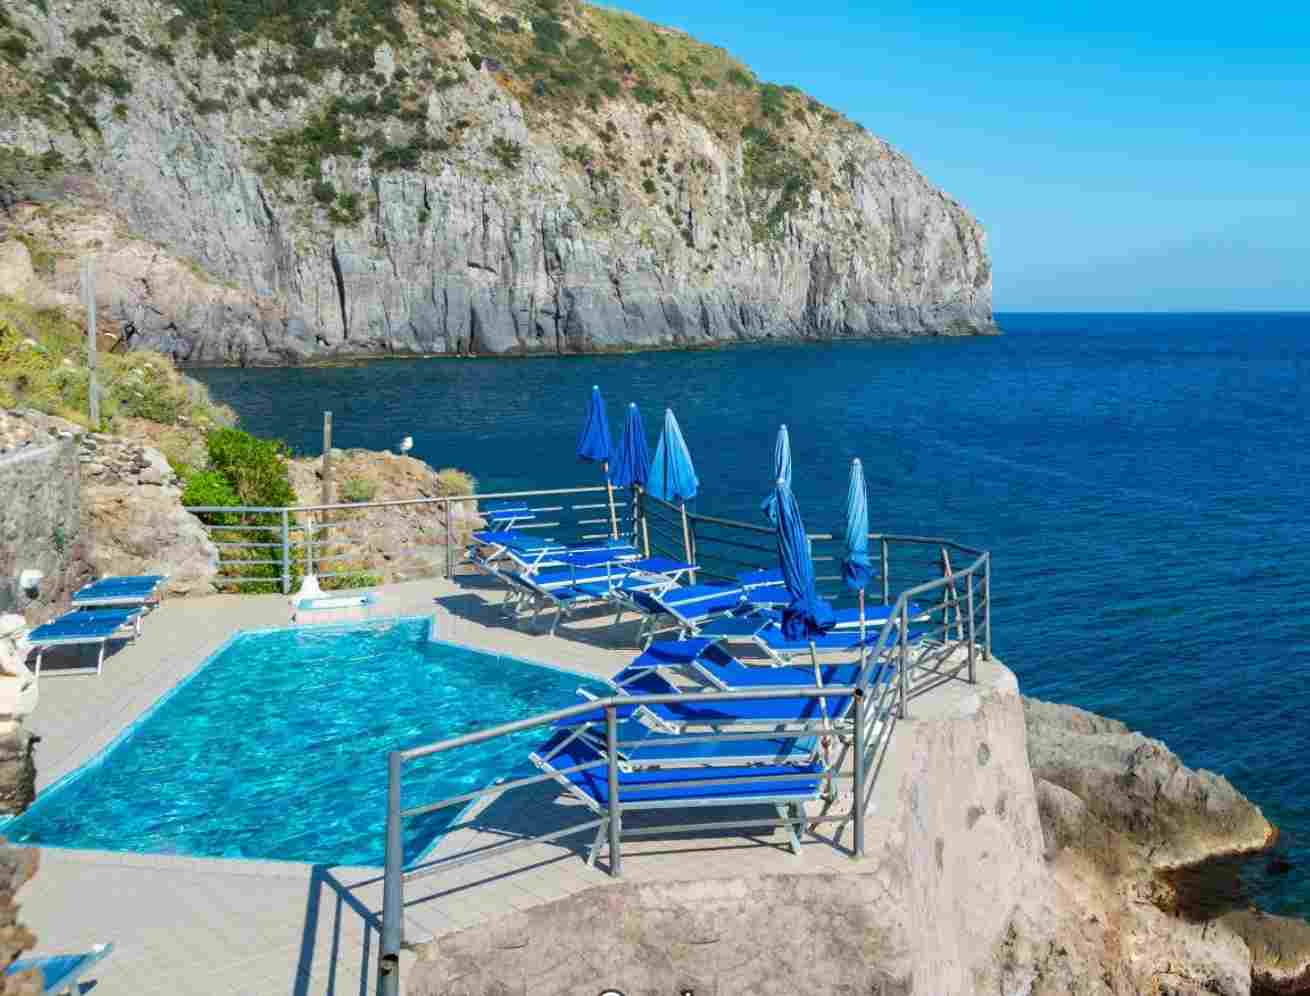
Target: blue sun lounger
(531, 554)
(86, 626)
(60, 974)
(687, 606)
(571, 588)
(576, 764)
(762, 630)
(123, 590)
(506, 514)
(676, 717)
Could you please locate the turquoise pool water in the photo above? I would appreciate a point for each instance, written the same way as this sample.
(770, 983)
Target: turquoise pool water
(276, 748)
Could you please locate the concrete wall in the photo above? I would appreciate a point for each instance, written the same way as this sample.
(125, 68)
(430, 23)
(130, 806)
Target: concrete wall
(41, 526)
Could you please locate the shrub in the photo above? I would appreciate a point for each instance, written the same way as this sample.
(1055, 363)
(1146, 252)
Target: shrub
(324, 192)
(207, 487)
(357, 489)
(255, 468)
(508, 154)
(648, 185)
(450, 482)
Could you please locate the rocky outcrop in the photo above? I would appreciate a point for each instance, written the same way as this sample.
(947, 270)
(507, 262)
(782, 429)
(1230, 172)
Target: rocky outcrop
(17, 866)
(395, 543)
(1107, 788)
(480, 210)
(983, 876)
(133, 505)
(19, 693)
(1280, 950)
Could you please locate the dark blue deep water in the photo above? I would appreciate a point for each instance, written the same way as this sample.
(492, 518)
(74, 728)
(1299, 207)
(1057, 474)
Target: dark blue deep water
(1142, 481)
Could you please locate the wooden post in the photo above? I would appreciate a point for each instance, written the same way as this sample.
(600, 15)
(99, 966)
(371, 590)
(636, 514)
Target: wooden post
(89, 299)
(327, 458)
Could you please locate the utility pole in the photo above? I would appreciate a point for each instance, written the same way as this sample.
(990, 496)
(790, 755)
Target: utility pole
(89, 298)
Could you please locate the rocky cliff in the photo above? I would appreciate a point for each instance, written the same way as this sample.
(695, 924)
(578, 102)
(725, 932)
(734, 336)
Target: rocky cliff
(347, 177)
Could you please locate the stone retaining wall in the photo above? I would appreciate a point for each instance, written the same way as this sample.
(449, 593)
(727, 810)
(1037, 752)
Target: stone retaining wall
(41, 521)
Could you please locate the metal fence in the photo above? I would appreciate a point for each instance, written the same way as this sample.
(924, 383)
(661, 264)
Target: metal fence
(934, 632)
(865, 735)
(356, 544)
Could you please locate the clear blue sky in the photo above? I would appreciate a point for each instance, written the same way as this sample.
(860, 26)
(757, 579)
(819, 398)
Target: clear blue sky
(1122, 156)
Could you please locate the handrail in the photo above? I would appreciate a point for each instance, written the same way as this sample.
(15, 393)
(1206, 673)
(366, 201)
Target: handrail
(618, 702)
(941, 653)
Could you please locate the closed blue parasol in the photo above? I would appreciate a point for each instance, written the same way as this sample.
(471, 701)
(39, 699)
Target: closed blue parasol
(672, 476)
(594, 443)
(632, 465)
(594, 446)
(856, 566)
(808, 615)
(781, 472)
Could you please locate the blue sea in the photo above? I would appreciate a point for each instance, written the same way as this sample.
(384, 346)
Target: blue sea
(1142, 481)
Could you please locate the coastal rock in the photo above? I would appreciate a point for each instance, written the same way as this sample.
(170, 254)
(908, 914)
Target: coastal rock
(393, 543)
(138, 524)
(482, 212)
(17, 866)
(1280, 950)
(1137, 787)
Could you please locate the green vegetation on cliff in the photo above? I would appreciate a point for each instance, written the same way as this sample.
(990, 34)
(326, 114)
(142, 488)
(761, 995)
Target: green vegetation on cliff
(43, 366)
(564, 61)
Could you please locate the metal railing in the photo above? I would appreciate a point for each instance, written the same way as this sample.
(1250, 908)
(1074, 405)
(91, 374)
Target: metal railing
(932, 633)
(864, 734)
(264, 548)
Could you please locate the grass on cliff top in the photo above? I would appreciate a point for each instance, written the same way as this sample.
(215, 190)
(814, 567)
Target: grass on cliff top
(43, 366)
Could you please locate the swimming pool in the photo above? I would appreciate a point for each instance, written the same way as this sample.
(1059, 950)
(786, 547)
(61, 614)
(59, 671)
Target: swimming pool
(276, 747)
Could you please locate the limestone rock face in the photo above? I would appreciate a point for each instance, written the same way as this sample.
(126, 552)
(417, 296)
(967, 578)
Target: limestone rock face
(519, 229)
(1137, 787)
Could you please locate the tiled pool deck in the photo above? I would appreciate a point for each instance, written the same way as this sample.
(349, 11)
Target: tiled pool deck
(203, 925)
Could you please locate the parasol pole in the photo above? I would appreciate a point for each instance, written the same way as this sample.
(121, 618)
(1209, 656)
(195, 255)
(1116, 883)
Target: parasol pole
(639, 501)
(609, 491)
(864, 650)
(686, 538)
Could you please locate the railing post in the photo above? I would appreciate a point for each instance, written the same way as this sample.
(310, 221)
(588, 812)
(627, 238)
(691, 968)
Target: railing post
(987, 607)
(309, 543)
(886, 581)
(616, 811)
(968, 600)
(903, 676)
(286, 552)
(450, 537)
(858, 800)
(393, 887)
